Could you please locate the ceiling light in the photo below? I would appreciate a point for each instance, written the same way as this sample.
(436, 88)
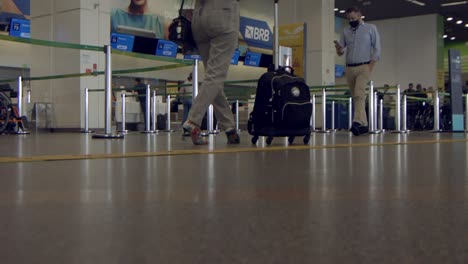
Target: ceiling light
(445, 36)
(449, 18)
(419, 3)
(452, 38)
(363, 17)
(342, 11)
(459, 22)
(336, 9)
(466, 25)
(455, 3)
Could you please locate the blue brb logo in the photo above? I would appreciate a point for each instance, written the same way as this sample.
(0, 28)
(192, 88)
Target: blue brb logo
(256, 33)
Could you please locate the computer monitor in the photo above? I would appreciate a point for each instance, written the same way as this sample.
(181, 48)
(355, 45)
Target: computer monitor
(145, 45)
(135, 31)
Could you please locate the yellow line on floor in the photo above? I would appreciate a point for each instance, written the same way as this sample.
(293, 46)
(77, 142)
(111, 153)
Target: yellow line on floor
(214, 151)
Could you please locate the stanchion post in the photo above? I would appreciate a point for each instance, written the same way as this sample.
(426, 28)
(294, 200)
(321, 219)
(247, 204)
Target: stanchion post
(155, 114)
(108, 97)
(168, 118)
(436, 102)
(195, 79)
(124, 120)
(108, 92)
(376, 110)
(86, 112)
(148, 99)
(210, 119)
(371, 107)
(148, 108)
(20, 96)
(333, 117)
(237, 116)
(350, 112)
(312, 118)
(398, 110)
(405, 114)
(196, 83)
(215, 127)
(375, 114)
(21, 129)
(210, 123)
(466, 113)
(324, 111)
(381, 110)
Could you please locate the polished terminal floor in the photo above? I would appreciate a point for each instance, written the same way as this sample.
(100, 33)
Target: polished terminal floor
(69, 198)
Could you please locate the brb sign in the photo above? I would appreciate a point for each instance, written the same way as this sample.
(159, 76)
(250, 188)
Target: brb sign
(256, 33)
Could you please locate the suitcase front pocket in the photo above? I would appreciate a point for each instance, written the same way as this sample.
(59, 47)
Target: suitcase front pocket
(296, 115)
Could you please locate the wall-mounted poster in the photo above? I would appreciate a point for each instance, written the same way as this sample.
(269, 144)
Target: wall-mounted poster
(293, 36)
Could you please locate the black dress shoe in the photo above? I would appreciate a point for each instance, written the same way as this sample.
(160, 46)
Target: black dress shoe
(358, 129)
(363, 130)
(232, 137)
(355, 128)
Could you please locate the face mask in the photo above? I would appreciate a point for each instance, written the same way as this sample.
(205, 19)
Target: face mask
(354, 24)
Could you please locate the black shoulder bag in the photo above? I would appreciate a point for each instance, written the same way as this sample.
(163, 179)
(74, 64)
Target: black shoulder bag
(180, 31)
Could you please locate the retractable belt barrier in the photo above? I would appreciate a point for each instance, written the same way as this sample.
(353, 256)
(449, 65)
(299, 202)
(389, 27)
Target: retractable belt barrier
(171, 63)
(235, 95)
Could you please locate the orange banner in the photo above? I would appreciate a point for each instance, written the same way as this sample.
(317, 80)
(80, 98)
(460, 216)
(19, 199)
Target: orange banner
(293, 36)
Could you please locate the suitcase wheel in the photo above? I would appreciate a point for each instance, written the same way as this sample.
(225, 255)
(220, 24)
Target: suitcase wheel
(269, 140)
(291, 140)
(306, 139)
(254, 140)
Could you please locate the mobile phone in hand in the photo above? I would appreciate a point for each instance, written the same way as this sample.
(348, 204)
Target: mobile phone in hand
(337, 43)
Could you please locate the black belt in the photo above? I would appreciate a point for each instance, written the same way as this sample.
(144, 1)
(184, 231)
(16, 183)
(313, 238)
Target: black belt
(357, 64)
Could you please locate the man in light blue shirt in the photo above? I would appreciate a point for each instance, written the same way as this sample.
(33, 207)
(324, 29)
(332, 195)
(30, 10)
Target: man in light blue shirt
(361, 43)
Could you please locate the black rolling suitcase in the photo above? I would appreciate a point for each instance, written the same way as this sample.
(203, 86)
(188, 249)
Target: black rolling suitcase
(282, 106)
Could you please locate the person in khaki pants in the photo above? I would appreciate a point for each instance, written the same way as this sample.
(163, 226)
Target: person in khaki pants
(215, 26)
(361, 43)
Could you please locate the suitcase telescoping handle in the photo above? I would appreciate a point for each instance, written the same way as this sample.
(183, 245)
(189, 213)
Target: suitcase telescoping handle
(276, 44)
